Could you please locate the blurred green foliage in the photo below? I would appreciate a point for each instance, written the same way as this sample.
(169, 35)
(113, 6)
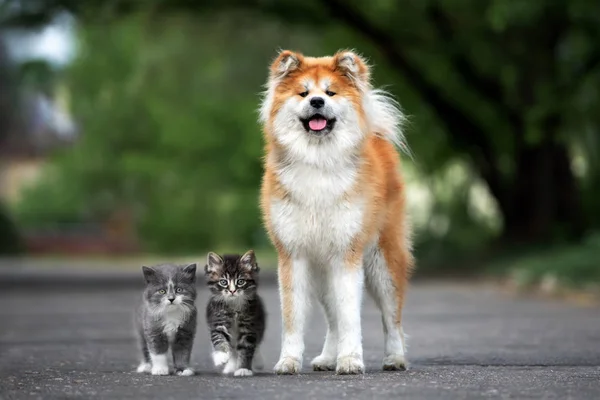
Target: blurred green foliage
(170, 132)
(575, 265)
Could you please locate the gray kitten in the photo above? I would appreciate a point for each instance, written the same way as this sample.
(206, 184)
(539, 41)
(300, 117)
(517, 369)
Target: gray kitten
(235, 313)
(167, 318)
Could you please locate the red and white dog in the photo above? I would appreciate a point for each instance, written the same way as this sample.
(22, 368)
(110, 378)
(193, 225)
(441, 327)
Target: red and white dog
(334, 205)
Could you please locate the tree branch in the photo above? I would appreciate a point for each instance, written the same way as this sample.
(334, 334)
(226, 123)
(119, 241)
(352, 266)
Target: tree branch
(486, 88)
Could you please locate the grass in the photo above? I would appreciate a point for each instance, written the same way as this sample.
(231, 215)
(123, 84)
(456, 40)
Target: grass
(560, 271)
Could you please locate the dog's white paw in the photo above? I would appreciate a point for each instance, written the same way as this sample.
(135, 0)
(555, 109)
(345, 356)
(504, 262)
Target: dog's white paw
(288, 366)
(350, 365)
(242, 372)
(220, 358)
(144, 368)
(323, 363)
(395, 362)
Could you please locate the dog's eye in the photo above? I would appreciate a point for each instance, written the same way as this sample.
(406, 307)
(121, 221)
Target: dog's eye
(223, 282)
(241, 282)
(179, 290)
(162, 291)
(303, 94)
(329, 93)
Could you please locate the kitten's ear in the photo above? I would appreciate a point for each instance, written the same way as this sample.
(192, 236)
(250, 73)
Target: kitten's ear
(190, 272)
(248, 261)
(149, 274)
(214, 262)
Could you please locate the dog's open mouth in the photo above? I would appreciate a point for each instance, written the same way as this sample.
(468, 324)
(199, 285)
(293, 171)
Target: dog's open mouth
(318, 124)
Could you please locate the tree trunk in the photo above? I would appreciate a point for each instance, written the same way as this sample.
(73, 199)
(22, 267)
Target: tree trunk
(544, 203)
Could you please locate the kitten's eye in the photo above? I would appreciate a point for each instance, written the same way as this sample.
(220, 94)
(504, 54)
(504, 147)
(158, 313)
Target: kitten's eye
(241, 282)
(329, 93)
(179, 290)
(303, 94)
(162, 291)
(223, 282)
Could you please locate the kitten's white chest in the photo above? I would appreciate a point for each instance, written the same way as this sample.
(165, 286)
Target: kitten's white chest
(172, 320)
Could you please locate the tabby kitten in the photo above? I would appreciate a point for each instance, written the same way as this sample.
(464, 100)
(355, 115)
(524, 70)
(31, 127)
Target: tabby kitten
(167, 318)
(235, 312)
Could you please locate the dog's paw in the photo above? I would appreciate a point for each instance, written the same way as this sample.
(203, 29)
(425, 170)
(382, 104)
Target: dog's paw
(242, 372)
(288, 366)
(144, 368)
(220, 358)
(395, 362)
(350, 365)
(323, 363)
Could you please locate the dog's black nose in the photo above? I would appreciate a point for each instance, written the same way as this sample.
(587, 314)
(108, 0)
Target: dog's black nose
(317, 102)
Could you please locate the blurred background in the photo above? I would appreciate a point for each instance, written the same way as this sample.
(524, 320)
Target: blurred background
(129, 129)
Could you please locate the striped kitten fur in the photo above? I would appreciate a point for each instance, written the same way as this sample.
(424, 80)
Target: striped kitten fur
(235, 314)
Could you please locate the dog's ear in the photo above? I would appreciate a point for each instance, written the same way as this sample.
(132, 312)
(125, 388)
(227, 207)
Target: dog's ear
(353, 66)
(286, 62)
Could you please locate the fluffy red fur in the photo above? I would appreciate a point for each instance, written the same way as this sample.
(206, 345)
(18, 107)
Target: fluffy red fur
(377, 190)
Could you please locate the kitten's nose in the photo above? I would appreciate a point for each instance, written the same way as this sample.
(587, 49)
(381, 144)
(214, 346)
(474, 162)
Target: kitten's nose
(172, 299)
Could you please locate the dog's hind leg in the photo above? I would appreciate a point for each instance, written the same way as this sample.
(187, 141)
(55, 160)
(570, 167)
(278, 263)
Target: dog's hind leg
(385, 274)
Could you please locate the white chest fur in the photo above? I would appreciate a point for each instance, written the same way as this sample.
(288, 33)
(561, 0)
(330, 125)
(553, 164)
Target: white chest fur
(172, 319)
(317, 219)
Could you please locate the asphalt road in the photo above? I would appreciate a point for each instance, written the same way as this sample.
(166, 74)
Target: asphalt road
(76, 341)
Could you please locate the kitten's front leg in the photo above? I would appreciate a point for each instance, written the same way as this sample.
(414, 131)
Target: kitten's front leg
(182, 348)
(220, 322)
(158, 345)
(246, 346)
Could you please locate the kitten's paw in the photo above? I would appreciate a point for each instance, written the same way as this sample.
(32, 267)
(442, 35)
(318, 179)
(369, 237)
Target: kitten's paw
(323, 363)
(350, 365)
(144, 368)
(288, 366)
(220, 358)
(242, 372)
(395, 362)
(185, 372)
(231, 366)
(160, 370)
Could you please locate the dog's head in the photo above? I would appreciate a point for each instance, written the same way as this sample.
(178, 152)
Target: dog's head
(316, 102)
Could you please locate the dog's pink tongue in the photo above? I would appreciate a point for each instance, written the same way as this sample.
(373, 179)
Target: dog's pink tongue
(317, 124)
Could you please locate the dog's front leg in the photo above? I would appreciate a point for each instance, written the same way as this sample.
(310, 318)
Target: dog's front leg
(348, 288)
(294, 292)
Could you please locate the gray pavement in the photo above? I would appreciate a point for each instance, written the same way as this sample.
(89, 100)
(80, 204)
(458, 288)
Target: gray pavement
(75, 340)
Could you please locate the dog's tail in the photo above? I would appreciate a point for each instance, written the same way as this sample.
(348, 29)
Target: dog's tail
(386, 118)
